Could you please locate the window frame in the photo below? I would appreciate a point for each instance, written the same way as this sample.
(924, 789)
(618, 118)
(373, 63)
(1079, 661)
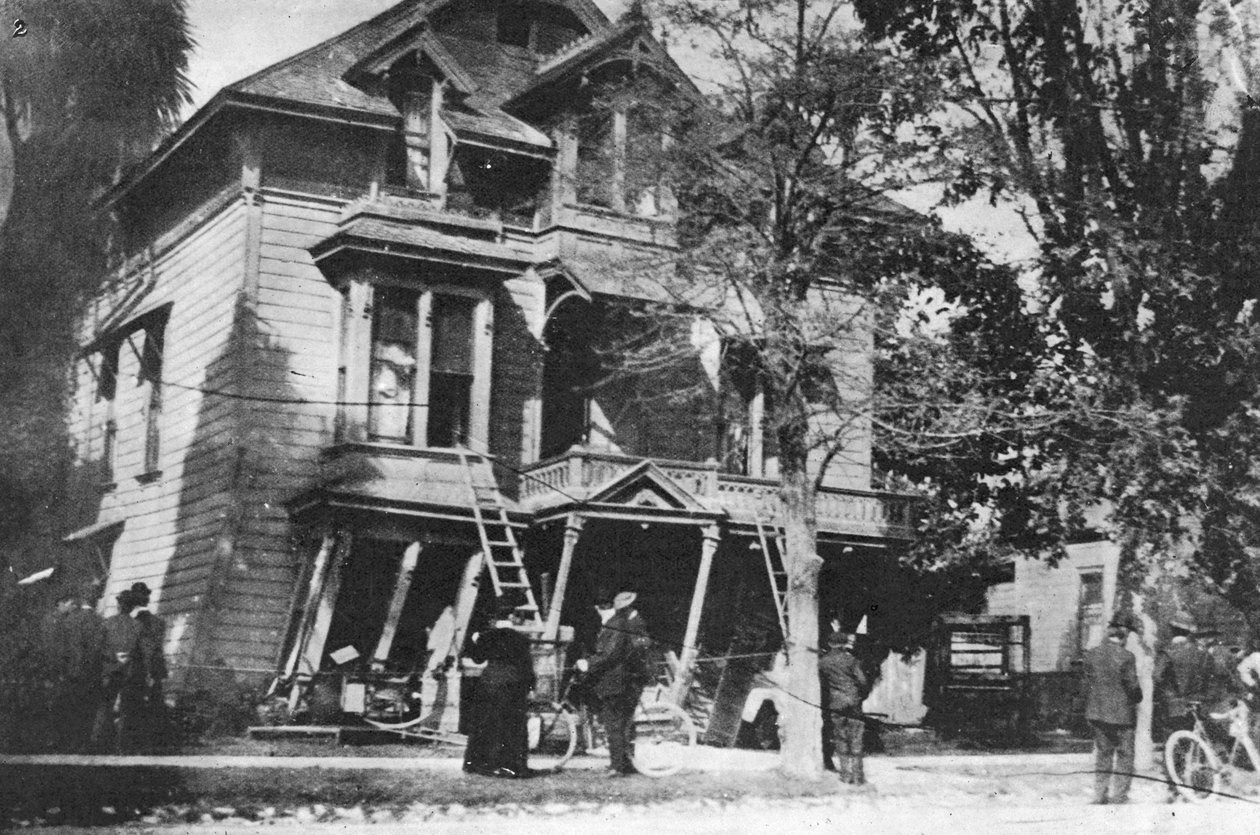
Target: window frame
(355, 365)
(149, 371)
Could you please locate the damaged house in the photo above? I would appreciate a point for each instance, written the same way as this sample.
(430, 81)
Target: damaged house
(334, 392)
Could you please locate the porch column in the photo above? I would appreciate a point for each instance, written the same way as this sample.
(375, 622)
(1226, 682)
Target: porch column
(319, 571)
(572, 530)
(406, 570)
(466, 599)
(683, 680)
(313, 651)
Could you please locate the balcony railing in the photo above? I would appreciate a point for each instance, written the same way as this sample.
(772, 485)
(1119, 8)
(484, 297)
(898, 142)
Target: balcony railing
(580, 473)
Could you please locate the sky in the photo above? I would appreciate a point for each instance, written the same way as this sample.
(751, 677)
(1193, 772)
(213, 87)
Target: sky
(236, 38)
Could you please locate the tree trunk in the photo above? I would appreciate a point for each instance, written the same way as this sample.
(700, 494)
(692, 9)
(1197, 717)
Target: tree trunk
(802, 719)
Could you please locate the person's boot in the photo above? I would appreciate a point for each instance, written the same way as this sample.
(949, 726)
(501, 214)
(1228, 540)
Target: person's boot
(845, 769)
(858, 772)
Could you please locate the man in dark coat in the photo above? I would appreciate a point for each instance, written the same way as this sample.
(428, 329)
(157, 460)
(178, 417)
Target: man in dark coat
(844, 687)
(1184, 673)
(153, 660)
(1112, 695)
(617, 675)
(120, 714)
(73, 641)
(498, 737)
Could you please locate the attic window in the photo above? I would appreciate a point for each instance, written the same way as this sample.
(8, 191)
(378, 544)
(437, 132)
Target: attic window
(514, 24)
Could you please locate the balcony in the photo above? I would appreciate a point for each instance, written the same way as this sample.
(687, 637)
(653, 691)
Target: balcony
(581, 474)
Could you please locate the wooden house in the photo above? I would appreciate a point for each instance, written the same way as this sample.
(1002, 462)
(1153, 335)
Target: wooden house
(330, 385)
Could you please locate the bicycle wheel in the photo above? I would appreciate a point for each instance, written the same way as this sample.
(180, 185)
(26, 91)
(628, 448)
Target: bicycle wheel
(663, 734)
(552, 733)
(1193, 767)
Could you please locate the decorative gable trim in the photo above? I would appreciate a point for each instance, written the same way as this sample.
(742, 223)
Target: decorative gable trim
(646, 485)
(420, 40)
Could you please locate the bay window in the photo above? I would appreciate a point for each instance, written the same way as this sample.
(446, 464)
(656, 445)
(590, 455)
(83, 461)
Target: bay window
(419, 359)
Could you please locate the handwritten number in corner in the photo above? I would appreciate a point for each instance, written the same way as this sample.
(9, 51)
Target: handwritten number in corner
(19, 28)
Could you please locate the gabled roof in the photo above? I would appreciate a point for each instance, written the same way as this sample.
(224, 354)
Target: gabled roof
(421, 41)
(327, 79)
(646, 486)
(633, 37)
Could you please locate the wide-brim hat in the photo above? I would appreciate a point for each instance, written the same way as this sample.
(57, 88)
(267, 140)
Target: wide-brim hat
(624, 599)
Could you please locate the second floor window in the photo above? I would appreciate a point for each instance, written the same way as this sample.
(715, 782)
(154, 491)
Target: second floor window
(423, 367)
(134, 352)
(149, 378)
(451, 377)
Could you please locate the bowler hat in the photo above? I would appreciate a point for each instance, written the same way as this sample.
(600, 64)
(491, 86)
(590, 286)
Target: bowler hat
(141, 592)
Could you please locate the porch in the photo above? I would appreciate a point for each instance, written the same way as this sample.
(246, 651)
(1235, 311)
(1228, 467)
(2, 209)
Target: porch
(580, 475)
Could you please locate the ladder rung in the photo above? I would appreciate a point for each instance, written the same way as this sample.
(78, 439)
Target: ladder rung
(506, 563)
(505, 542)
(505, 585)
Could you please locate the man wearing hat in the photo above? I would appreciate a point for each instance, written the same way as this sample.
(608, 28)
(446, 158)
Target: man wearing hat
(618, 673)
(1184, 673)
(1112, 694)
(844, 687)
(120, 711)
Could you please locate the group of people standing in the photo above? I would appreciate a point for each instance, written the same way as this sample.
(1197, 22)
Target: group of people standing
(105, 676)
(615, 674)
(1190, 669)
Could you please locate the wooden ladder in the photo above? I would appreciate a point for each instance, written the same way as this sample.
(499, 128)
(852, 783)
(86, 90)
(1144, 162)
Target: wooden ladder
(504, 558)
(774, 569)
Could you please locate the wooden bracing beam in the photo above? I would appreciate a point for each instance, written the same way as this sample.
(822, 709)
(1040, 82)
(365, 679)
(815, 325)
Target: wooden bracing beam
(689, 649)
(319, 572)
(572, 530)
(406, 571)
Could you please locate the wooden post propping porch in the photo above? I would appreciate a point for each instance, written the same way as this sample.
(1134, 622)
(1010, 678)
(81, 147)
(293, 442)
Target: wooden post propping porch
(572, 530)
(689, 650)
(406, 571)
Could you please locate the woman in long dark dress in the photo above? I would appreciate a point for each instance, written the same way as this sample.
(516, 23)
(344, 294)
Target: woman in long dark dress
(498, 737)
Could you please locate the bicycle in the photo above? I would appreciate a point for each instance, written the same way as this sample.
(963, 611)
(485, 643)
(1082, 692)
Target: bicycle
(1195, 765)
(663, 732)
